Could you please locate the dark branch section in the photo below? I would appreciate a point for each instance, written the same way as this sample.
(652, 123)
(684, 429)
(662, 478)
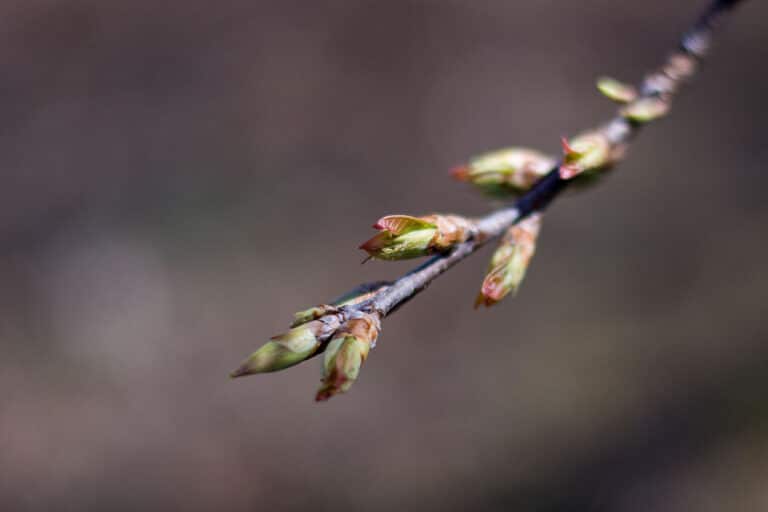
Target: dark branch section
(542, 193)
(706, 24)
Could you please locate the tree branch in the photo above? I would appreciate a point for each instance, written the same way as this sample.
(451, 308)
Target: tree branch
(347, 330)
(694, 44)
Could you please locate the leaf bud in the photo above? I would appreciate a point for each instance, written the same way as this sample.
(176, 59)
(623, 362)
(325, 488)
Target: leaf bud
(590, 151)
(346, 353)
(646, 110)
(510, 261)
(506, 171)
(286, 350)
(616, 91)
(403, 237)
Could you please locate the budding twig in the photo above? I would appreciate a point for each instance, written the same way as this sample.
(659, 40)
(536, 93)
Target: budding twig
(350, 327)
(619, 131)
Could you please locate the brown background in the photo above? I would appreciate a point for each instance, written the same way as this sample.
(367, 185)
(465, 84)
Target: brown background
(178, 177)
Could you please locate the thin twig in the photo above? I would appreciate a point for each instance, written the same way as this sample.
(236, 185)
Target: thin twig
(619, 130)
(348, 328)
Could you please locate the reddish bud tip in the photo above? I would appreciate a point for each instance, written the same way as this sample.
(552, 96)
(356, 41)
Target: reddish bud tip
(461, 172)
(567, 149)
(492, 290)
(482, 300)
(371, 245)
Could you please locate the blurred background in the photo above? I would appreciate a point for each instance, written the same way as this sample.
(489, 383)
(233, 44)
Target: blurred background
(179, 177)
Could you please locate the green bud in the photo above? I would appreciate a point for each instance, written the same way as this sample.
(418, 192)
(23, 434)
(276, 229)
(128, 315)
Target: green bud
(405, 237)
(510, 262)
(646, 110)
(588, 152)
(616, 91)
(284, 351)
(345, 355)
(388, 246)
(505, 171)
(343, 359)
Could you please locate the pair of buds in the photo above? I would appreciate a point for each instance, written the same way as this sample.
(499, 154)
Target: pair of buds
(403, 237)
(514, 171)
(641, 109)
(346, 339)
(658, 89)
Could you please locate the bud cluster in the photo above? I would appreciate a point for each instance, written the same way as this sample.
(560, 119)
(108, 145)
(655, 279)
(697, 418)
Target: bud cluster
(510, 261)
(658, 88)
(347, 329)
(404, 237)
(345, 335)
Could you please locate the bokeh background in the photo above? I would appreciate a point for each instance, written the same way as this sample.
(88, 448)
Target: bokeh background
(178, 177)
